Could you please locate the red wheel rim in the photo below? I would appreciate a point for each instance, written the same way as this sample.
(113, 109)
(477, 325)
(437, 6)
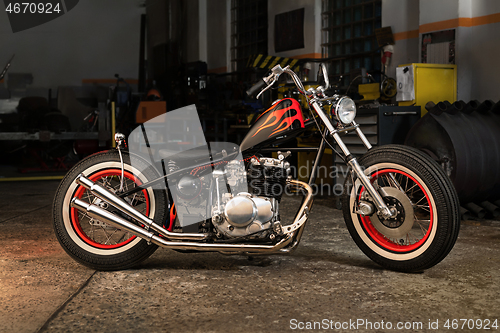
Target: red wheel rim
(381, 239)
(75, 220)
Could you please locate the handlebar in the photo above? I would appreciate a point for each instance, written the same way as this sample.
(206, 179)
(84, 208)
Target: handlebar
(276, 71)
(256, 87)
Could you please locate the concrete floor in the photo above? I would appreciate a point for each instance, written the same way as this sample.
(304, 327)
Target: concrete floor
(327, 280)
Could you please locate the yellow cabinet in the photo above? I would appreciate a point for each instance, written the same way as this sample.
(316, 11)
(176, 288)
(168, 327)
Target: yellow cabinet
(432, 82)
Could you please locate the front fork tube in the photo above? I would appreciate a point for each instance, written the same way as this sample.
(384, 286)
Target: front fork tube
(352, 161)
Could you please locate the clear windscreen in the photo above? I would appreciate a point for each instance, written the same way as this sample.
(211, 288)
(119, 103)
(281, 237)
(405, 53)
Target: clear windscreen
(197, 173)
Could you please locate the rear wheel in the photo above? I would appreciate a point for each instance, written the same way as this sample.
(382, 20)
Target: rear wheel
(95, 243)
(427, 222)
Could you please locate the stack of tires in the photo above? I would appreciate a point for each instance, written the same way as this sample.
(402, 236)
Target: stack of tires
(464, 138)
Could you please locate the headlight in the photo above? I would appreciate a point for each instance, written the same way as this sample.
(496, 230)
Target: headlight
(345, 110)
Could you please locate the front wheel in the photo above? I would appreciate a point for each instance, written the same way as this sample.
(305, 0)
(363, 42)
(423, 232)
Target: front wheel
(95, 243)
(427, 222)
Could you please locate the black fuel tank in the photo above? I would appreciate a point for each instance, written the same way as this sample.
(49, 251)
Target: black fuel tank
(280, 119)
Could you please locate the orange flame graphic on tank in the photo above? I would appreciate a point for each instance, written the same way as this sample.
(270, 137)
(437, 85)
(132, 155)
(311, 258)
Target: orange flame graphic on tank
(278, 114)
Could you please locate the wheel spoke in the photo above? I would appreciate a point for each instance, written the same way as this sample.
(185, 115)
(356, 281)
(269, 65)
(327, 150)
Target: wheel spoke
(104, 231)
(133, 198)
(88, 196)
(414, 239)
(122, 238)
(424, 207)
(109, 237)
(393, 180)
(105, 181)
(424, 230)
(416, 203)
(411, 188)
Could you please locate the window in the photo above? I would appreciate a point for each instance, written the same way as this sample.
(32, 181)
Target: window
(348, 34)
(248, 31)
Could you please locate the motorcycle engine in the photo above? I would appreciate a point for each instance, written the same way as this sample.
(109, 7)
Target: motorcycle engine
(256, 212)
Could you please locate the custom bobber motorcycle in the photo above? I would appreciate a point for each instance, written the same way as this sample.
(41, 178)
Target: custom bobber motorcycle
(166, 186)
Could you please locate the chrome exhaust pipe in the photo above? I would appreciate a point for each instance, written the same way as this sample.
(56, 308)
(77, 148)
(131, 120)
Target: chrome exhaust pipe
(124, 207)
(101, 214)
(120, 223)
(305, 209)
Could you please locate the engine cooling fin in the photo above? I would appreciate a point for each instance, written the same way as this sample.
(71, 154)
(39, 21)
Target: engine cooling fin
(267, 181)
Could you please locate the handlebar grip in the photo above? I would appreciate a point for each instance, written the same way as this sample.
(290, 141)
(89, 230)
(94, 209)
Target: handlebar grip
(256, 87)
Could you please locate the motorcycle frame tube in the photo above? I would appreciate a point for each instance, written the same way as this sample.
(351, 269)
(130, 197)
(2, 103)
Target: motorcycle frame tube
(317, 160)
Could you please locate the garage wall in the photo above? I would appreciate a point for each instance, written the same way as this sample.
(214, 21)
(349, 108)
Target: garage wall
(403, 18)
(95, 40)
(480, 49)
(477, 25)
(435, 11)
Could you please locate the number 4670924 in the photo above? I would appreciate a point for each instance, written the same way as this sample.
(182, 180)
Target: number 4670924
(32, 8)
(461, 324)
